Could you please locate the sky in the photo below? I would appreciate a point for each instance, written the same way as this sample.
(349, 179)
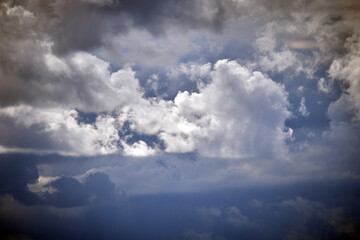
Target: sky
(169, 119)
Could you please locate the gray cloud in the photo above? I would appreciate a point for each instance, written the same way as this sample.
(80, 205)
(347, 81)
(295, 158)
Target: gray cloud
(91, 205)
(15, 174)
(69, 192)
(97, 25)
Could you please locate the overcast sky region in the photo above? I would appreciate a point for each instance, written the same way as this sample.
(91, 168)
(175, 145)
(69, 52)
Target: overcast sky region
(179, 119)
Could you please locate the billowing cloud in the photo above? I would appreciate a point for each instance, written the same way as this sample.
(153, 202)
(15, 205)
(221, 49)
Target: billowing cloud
(61, 130)
(238, 114)
(51, 78)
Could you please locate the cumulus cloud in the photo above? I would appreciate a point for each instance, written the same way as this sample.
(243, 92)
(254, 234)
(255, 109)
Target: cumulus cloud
(229, 117)
(63, 65)
(49, 80)
(138, 149)
(239, 113)
(60, 128)
(30, 72)
(81, 81)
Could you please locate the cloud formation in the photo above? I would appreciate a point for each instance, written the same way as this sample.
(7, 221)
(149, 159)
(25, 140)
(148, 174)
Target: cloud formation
(122, 115)
(59, 71)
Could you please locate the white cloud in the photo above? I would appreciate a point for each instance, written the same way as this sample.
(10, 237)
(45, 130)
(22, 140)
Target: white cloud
(61, 128)
(141, 47)
(239, 113)
(271, 59)
(323, 86)
(193, 71)
(19, 13)
(300, 90)
(302, 109)
(346, 69)
(138, 149)
(42, 185)
(88, 84)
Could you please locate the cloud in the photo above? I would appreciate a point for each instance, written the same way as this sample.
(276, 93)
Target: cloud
(192, 235)
(302, 44)
(42, 184)
(235, 217)
(323, 217)
(138, 149)
(302, 109)
(15, 174)
(146, 50)
(69, 192)
(344, 68)
(32, 73)
(20, 180)
(324, 86)
(231, 215)
(229, 117)
(83, 24)
(271, 59)
(91, 204)
(61, 130)
(162, 98)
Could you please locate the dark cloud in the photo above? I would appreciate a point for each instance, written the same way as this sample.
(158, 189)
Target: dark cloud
(91, 209)
(18, 171)
(87, 25)
(69, 192)
(311, 210)
(15, 173)
(81, 25)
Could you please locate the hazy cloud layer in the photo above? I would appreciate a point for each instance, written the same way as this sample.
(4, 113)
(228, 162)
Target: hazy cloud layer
(92, 206)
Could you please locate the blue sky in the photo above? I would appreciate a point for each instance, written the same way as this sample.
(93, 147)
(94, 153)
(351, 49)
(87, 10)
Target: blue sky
(179, 119)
